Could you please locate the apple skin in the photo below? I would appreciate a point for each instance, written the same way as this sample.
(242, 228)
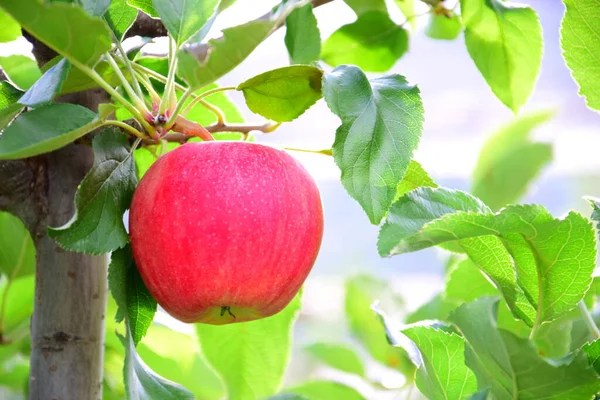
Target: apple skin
(225, 232)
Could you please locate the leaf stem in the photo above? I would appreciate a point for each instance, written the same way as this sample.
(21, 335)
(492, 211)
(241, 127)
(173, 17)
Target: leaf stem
(326, 152)
(109, 89)
(159, 77)
(178, 107)
(137, 101)
(201, 96)
(127, 63)
(589, 321)
(166, 99)
(126, 127)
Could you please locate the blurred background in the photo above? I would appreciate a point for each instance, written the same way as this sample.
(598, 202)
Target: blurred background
(461, 112)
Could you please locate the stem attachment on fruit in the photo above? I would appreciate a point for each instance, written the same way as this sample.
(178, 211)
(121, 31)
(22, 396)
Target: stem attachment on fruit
(227, 310)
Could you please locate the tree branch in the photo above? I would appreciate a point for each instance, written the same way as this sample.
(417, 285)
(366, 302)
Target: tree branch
(146, 26)
(245, 129)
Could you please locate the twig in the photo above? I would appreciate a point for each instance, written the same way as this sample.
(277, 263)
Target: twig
(244, 129)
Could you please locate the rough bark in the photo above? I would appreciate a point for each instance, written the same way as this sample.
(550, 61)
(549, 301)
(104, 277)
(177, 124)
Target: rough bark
(67, 327)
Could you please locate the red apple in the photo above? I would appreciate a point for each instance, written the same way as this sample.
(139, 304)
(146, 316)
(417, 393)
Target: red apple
(225, 232)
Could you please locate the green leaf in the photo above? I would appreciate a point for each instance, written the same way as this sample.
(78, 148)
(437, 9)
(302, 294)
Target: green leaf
(95, 8)
(120, 16)
(441, 373)
(17, 251)
(442, 27)
(10, 28)
(407, 7)
(176, 356)
(302, 36)
(283, 94)
(46, 129)
(362, 6)
(183, 18)
(144, 5)
(132, 297)
(509, 161)
(9, 107)
(221, 55)
(66, 29)
(101, 199)
(361, 292)
(541, 264)
(21, 70)
(382, 120)
(18, 303)
(593, 352)
(48, 86)
(78, 80)
(250, 356)
(373, 42)
(142, 383)
(415, 177)
(511, 367)
(580, 43)
(324, 390)
(338, 356)
(505, 41)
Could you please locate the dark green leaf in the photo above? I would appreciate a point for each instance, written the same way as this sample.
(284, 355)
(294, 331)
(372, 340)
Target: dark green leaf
(505, 41)
(142, 383)
(133, 299)
(48, 86)
(95, 8)
(20, 70)
(45, 129)
(302, 36)
(9, 107)
(10, 28)
(373, 42)
(17, 251)
(120, 16)
(554, 257)
(363, 6)
(324, 390)
(219, 56)
(509, 161)
(439, 357)
(144, 5)
(66, 29)
(283, 94)
(511, 367)
(382, 120)
(250, 356)
(338, 356)
(443, 27)
(102, 198)
(361, 292)
(580, 42)
(183, 18)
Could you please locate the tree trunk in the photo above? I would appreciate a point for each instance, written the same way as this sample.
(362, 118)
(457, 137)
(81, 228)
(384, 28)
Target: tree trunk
(67, 328)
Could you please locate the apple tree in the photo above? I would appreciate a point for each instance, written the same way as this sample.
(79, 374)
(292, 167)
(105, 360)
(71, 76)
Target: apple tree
(135, 175)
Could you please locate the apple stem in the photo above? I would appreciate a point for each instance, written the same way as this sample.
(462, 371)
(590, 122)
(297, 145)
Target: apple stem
(228, 310)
